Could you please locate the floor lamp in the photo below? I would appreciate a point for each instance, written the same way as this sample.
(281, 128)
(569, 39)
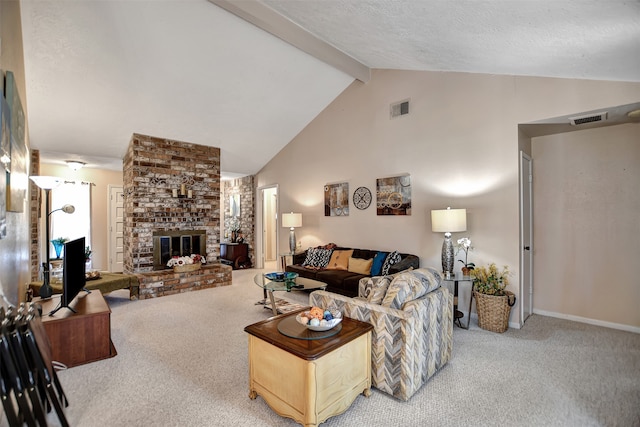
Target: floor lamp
(292, 220)
(448, 221)
(48, 183)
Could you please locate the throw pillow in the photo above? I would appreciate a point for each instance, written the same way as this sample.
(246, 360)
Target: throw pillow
(431, 278)
(376, 288)
(403, 288)
(339, 260)
(392, 258)
(378, 261)
(408, 286)
(360, 266)
(317, 258)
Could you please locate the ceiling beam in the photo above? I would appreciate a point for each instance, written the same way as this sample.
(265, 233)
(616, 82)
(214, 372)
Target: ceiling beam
(269, 20)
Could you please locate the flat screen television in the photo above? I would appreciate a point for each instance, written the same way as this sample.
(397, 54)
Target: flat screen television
(73, 272)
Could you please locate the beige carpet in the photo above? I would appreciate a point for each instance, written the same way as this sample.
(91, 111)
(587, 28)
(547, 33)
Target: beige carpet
(182, 361)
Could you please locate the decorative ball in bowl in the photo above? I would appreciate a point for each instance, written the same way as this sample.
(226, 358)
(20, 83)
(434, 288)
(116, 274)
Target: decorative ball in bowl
(281, 276)
(318, 319)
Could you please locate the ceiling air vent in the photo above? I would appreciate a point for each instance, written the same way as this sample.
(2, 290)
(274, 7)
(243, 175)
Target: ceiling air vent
(399, 109)
(591, 118)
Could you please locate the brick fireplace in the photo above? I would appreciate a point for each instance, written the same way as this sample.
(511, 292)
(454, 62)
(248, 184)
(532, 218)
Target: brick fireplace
(171, 187)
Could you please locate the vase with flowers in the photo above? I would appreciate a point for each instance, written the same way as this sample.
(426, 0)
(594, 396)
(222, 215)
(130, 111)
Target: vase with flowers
(493, 301)
(234, 226)
(464, 245)
(58, 244)
(87, 258)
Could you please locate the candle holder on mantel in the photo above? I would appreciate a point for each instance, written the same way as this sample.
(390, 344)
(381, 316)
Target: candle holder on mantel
(184, 193)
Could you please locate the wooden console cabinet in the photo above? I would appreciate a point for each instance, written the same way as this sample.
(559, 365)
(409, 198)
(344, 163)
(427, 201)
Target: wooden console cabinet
(81, 337)
(235, 254)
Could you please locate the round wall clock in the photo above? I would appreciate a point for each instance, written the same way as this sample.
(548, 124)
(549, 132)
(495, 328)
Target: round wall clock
(362, 198)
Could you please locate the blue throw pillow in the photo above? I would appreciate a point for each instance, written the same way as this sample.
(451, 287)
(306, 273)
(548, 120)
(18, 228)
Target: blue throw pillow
(378, 261)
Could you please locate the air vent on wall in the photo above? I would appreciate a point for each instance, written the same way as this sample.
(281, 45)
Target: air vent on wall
(591, 118)
(399, 109)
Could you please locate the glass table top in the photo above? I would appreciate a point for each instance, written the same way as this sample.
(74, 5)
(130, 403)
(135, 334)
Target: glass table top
(299, 283)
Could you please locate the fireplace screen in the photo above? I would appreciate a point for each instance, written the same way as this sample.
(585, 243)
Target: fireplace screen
(167, 244)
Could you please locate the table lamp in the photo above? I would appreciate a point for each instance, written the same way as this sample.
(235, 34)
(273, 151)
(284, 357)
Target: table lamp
(448, 221)
(292, 220)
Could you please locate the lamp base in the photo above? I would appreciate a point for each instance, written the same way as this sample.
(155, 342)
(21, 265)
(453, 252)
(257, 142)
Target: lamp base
(45, 290)
(292, 240)
(447, 254)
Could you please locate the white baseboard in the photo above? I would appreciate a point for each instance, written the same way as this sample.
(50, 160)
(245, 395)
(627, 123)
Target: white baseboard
(595, 322)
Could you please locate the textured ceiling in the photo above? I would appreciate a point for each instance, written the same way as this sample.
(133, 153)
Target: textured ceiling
(98, 71)
(584, 39)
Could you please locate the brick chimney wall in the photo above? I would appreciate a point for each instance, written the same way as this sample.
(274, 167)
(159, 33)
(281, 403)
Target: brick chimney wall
(152, 169)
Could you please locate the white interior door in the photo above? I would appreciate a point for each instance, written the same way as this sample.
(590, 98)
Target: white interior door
(116, 228)
(526, 237)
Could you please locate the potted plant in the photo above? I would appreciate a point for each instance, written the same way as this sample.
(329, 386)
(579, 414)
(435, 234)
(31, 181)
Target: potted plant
(58, 244)
(493, 301)
(464, 244)
(234, 226)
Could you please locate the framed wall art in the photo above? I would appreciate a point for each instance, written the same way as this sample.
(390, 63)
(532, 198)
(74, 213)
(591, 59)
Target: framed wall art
(393, 195)
(17, 179)
(336, 199)
(5, 135)
(362, 198)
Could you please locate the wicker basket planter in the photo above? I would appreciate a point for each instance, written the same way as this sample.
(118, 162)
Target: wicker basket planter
(493, 311)
(186, 267)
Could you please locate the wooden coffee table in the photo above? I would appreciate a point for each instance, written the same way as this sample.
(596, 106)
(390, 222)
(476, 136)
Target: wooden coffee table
(309, 379)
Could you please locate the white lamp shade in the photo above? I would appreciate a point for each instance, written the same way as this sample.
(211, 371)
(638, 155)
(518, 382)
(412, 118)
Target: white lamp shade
(292, 220)
(46, 182)
(448, 220)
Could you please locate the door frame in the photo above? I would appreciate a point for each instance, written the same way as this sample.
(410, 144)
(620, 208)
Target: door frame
(260, 241)
(526, 235)
(112, 189)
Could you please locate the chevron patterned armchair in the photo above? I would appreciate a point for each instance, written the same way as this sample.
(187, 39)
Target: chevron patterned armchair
(412, 318)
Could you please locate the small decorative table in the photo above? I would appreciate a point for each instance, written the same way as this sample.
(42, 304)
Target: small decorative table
(457, 314)
(309, 379)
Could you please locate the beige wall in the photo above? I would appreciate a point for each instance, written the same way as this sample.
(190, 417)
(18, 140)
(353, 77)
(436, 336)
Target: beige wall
(14, 248)
(587, 223)
(459, 143)
(99, 205)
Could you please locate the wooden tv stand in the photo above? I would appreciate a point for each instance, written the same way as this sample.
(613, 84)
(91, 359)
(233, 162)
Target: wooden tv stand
(81, 337)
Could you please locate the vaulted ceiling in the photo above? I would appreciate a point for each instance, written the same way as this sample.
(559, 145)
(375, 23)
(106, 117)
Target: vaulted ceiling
(200, 71)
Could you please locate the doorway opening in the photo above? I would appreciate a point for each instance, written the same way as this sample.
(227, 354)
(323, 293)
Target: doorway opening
(267, 223)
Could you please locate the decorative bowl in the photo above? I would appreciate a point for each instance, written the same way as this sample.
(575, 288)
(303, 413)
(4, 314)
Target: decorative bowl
(92, 275)
(280, 276)
(324, 325)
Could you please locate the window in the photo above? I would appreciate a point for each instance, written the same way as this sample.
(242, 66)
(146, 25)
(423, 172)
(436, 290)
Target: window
(75, 225)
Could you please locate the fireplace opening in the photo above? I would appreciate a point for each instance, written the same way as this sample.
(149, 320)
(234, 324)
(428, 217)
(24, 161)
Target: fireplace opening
(167, 244)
